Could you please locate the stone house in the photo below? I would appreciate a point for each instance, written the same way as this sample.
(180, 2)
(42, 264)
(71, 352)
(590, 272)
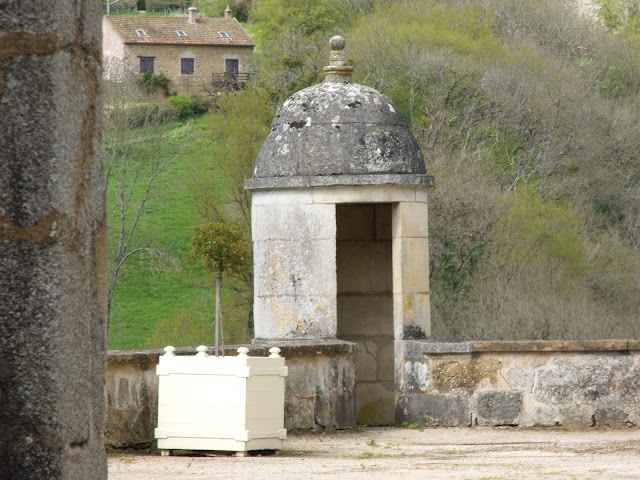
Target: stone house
(197, 54)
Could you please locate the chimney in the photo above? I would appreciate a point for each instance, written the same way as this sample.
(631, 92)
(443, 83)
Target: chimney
(192, 14)
(227, 12)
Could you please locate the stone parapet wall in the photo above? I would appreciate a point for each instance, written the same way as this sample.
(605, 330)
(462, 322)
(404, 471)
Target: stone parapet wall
(527, 384)
(319, 389)
(541, 383)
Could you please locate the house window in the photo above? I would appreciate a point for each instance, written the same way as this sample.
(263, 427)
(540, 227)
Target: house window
(141, 33)
(181, 33)
(224, 35)
(146, 64)
(187, 66)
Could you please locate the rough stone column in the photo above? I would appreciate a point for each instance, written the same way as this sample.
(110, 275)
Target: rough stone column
(52, 242)
(411, 306)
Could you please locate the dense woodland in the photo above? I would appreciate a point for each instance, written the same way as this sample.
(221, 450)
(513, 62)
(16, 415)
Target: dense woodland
(527, 114)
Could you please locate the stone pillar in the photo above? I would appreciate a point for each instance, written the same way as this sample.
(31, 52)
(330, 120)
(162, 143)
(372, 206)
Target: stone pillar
(294, 250)
(52, 242)
(411, 307)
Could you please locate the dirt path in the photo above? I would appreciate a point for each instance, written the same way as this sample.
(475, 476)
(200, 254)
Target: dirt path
(396, 453)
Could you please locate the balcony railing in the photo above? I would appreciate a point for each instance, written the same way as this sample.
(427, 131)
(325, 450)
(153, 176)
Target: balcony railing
(229, 80)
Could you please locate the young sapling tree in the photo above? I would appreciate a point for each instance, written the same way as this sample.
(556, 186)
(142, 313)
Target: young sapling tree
(222, 249)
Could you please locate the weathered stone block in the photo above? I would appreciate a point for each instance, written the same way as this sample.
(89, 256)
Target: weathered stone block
(522, 378)
(300, 222)
(411, 375)
(611, 416)
(281, 197)
(410, 265)
(410, 220)
(386, 371)
(367, 361)
(375, 404)
(300, 393)
(450, 376)
(290, 317)
(335, 395)
(132, 404)
(433, 410)
(370, 314)
(499, 407)
(421, 194)
(364, 194)
(295, 268)
(27, 16)
(364, 267)
(319, 389)
(411, 315)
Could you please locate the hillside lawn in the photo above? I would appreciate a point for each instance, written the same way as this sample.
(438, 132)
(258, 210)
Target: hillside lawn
(167, 299)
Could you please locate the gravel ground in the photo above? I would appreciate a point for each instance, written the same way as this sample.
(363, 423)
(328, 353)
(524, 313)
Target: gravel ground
(397, 453)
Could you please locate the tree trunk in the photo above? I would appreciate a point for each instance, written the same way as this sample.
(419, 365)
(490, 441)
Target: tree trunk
(218, 325)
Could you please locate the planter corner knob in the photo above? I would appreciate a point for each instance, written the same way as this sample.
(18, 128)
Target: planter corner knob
(274, 352)
(203, 351)
(243, 351)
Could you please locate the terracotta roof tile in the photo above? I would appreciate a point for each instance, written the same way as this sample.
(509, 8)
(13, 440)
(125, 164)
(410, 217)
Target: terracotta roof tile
(162, 30)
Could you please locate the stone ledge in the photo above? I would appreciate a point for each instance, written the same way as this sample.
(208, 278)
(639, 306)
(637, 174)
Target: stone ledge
(526, 346)
(259, 349)
(266, 183)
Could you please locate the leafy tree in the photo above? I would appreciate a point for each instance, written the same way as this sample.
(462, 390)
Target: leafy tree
(621, 14)
(239, 123)
(216, 8)
(221, 248)
(292, 40)
(273, 17)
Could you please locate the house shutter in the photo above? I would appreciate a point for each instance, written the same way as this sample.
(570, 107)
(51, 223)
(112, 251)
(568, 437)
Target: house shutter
(187, 66)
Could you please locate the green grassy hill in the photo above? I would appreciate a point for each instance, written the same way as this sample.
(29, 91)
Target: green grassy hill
(167, 298)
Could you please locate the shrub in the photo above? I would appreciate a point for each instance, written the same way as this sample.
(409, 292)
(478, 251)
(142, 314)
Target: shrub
(144, 114)
(186, 106)
(141, 114)
(151, 83)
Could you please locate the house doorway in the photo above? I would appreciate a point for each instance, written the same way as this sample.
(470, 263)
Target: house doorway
(365, 304)
(231, 70)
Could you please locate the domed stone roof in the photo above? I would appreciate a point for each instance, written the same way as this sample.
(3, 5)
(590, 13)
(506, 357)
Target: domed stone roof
(339, 128)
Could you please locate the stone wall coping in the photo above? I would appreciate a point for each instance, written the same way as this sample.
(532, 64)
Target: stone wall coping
(261, 348)
(267, 183)
(527, 346)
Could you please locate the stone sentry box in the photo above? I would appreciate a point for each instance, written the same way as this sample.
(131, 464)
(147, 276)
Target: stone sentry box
(233, 403)
(340, 232)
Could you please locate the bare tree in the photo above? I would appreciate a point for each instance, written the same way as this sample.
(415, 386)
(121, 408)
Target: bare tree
(134, 162)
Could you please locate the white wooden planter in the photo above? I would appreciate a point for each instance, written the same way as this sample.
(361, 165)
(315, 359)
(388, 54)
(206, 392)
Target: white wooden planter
(220, 403)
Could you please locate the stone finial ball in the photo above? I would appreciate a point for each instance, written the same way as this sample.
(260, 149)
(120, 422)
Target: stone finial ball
(337, 42)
